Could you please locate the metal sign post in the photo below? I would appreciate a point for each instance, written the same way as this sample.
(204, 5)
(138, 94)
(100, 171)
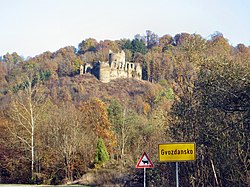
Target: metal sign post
(144, 183)
(177, 174)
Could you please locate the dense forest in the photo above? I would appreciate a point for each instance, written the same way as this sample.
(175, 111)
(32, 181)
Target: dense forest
(57, 125)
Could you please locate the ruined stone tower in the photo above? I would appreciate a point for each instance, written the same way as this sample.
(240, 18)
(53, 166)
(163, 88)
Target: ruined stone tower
(104, 72)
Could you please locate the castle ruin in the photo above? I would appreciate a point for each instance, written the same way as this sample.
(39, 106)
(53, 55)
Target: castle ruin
(116, 67)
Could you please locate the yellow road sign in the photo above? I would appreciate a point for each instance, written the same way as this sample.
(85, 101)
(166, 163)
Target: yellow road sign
(177, 152)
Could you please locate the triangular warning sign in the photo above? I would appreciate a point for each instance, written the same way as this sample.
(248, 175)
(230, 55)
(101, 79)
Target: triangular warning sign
(144, 162)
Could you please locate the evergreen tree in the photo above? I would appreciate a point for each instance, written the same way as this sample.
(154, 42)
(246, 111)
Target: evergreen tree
(101, 153)
(138, 46)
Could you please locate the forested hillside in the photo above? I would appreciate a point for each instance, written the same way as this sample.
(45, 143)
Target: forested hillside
(56, 125)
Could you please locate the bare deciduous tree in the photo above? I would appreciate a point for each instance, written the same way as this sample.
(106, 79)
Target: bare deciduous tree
(28, 103)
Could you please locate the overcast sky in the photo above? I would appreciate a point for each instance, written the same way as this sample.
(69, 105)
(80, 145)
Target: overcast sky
(31, 27)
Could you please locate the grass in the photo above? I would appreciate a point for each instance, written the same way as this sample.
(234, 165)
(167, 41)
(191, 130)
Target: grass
(31, 185)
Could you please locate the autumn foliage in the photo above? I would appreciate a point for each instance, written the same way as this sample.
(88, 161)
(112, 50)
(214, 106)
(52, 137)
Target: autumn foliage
(193, 89)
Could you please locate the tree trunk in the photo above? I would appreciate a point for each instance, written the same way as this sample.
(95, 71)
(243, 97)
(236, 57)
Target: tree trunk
(32, 131)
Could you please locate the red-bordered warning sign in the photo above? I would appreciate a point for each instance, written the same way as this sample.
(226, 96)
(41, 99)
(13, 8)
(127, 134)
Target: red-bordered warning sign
(144, 162)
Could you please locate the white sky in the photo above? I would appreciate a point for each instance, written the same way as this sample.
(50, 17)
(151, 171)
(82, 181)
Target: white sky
(31, 27)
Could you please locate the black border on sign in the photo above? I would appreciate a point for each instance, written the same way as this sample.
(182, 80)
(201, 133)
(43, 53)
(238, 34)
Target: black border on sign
(178, 143)
(146, 166)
